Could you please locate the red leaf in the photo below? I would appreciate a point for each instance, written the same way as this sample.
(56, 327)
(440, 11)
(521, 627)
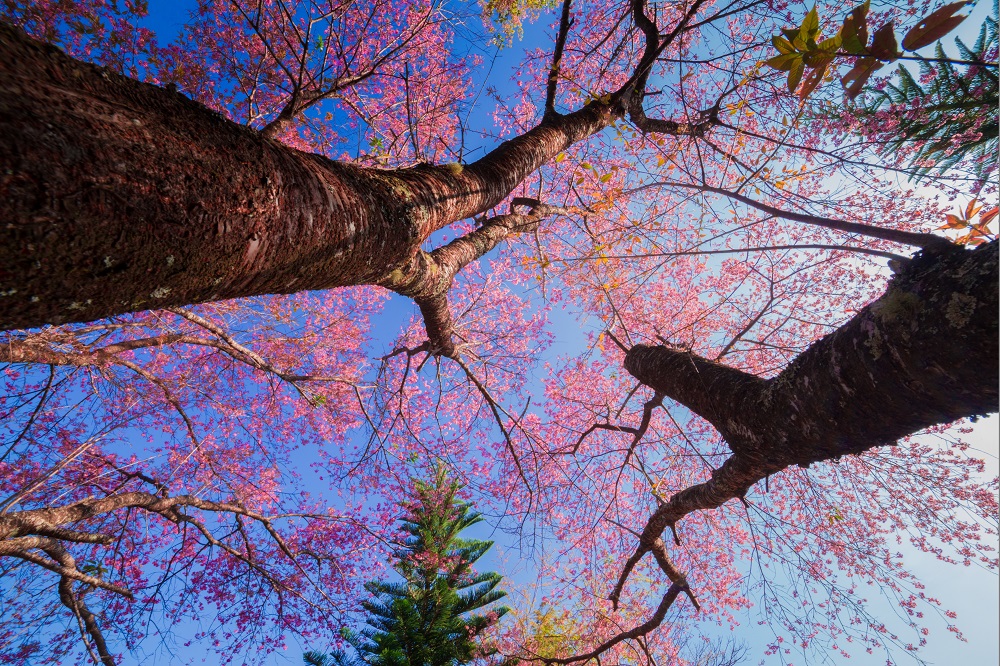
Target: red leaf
(973, 208)
(884, 46)
(954, 222)
(933, 27)
(855, 79)
(813, 80)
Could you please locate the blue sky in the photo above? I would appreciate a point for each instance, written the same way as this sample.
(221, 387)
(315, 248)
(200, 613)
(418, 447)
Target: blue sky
(972, 593)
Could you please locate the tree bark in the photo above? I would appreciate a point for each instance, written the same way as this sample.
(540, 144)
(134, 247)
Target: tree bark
(925, 353)
(121, 196)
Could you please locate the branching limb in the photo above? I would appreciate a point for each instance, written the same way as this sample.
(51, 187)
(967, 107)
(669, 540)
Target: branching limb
(874, 380)
(649, 625)
(915, 239)
(495, 408)
(61, 562)
(627, 568)
(24, 533)
(88, 622)
(565, 22)
(637, 433)
(758, 248)
(429, 275)
(65, 348)
(710, 389)
(635, 90)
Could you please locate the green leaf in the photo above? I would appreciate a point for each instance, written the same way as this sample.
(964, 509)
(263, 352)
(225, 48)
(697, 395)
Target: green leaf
(795, 75)
(815, 59)
(784, 62)
(854, 33)
(933, 27)
(810, 25)
(783, 45)
(831, 45)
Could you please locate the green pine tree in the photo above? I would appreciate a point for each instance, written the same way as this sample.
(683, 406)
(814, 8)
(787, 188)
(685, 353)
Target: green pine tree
(957, 101)
(427, 618)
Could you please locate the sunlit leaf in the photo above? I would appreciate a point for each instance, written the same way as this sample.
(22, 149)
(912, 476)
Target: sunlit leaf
(784, 62)
(810, 25)
(783, 45)
(815, 59)
(987, 216)
(813, 80)
(953, 222)
(854, 32)
(795, 75)
(973, 208)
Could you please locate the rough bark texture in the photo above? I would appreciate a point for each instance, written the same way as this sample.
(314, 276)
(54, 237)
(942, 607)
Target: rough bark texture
(923, 354)
(120, 196)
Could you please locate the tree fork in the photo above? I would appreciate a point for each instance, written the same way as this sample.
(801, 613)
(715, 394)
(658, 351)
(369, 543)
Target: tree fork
(120, 196)
(925, 353)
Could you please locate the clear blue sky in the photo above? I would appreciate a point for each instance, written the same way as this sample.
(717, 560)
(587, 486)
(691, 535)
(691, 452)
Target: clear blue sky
(969, 591)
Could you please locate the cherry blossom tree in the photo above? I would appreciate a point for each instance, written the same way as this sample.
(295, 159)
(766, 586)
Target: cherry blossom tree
(197, 242)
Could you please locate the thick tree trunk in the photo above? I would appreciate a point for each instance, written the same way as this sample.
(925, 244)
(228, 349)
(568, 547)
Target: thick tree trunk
(120, 196)
(924, 353)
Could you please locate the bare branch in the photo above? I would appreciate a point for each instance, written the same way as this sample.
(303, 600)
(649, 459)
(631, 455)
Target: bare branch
(429, 275)
(565, 23)
(922, 240)
(649, 625)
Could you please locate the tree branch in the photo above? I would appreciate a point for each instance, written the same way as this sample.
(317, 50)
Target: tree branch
(649, 625)
(879, 377)
(565, 22)
(429, 275)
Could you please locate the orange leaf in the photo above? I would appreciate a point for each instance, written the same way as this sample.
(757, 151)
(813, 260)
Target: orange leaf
(972, 209)
(954, 222)
(987, 216)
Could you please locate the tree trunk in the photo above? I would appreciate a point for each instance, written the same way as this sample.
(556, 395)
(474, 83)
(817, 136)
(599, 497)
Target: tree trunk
(923, 354)
(121, 196)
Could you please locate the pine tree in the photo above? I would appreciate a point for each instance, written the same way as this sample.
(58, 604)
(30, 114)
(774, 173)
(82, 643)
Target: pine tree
(952, 117)
(427, 618)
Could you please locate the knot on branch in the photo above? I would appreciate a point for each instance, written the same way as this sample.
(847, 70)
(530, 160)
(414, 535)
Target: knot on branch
(536, 208)
(427, 276)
